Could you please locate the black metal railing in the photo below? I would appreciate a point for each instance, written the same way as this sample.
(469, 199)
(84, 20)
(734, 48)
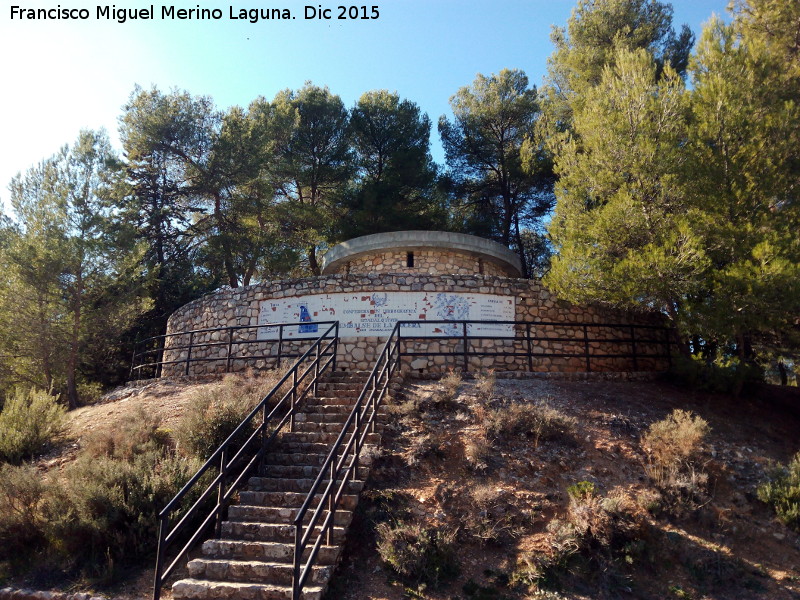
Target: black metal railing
(536, 340)
(341, 466)
(234, 464)
(231, 344)
(526, 337)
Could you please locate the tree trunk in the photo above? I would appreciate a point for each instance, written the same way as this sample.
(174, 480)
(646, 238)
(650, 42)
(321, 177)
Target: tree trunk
(520, 249)
(783, 373)
(312, 260)
(72, 359)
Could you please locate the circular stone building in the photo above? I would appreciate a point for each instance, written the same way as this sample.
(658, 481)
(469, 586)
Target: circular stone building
(434, 280)
(422, 252)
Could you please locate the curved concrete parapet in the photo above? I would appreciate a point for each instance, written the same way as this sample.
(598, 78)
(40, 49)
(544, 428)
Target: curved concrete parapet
(340, 256)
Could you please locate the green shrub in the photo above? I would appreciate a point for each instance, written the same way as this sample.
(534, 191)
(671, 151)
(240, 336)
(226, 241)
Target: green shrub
(31, 420)
(724, 376)
(782, 492)
(21, 526)
(419, 554)
(215, 411)
(106, 508)
(102, 509)
(582, 490)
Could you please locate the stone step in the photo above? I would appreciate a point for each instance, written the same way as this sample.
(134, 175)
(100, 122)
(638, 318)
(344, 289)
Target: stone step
(285, 447)
(350, 384)
(268, 532)
(196, 589)
(253, 560)
(324, 437)
(343, 409)
(313, 426)
(330, 400)
(289, 499)
(331, 409)
(268, 484)
(306, 458)
(280, 514)
(321, 417)
(295, 472)
(253, 571)
(266, 551)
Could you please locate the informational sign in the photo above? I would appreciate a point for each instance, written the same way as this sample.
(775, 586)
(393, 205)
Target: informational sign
(362, 314)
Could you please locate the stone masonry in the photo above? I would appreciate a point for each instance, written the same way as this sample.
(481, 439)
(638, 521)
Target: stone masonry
(534, 303)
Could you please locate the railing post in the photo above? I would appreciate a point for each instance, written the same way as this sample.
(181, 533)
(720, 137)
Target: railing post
(332, 475)
(298, 555)
(221, 493)
(263, 439)
(189, 352)
(335, 346)
(530, 347)
(586, 347)
(316, 371)
(280, 344)
(163, 524)
(374, 397)
(464, 339)
(230, 347)
(160, 365)
(633, 348)
(294, 399)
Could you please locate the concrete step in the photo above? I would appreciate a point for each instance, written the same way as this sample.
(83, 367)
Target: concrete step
(265, 551)
(253, 571)
(268, 532)
(197, 589)
(280, 514)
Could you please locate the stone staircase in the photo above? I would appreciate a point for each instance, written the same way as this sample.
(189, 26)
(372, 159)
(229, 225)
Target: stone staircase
(252, 560)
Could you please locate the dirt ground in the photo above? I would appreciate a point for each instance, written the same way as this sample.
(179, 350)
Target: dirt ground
(730, 548)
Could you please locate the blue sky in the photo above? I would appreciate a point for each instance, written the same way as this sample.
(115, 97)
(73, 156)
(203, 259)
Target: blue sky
(61, 76)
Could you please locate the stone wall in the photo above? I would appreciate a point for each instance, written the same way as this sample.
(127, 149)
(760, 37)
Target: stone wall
(430, 262)
(534, 303)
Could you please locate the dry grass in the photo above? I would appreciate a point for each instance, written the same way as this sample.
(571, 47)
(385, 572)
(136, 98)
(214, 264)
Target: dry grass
(673, 447)
(484, 385)
(537, 419)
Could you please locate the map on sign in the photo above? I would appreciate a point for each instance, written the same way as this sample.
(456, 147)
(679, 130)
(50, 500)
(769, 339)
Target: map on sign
(362, 314)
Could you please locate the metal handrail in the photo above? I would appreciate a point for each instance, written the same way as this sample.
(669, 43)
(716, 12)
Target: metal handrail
(227, 482)
(342, 469)
(524, 327)
(362, 421)
(141, 361)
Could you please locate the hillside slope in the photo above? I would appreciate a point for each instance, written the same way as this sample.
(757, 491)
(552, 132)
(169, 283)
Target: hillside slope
(511, 509)
(506, 502)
